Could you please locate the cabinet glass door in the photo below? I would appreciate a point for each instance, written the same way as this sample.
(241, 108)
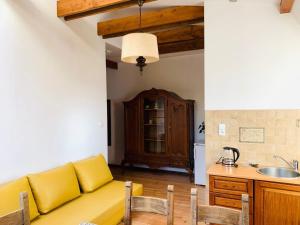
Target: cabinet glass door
(154, 125)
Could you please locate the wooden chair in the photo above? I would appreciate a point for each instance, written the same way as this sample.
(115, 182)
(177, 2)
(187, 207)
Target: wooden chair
(219, 215)
(19, 217)
(148, 204)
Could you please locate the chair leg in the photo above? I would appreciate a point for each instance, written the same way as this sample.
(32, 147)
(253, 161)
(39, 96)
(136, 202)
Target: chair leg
(194, 206)
(128, 194)
(170, 199)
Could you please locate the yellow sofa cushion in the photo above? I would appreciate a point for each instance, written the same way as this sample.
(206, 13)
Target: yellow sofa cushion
(92, 173)
(54, 187)
(105, 206)
(10, 197)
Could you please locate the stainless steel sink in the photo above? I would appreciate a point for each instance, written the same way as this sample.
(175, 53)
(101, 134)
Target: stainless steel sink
(279, 172)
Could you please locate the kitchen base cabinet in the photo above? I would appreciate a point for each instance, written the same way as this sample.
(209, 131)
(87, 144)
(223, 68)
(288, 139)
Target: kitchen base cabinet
(277, 204)
(227, 192)
(270, 203)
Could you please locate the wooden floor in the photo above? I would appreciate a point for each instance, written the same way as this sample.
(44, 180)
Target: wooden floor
(155, 184)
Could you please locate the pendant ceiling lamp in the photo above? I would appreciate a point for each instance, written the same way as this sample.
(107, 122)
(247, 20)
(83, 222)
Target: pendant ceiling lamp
(140, 48)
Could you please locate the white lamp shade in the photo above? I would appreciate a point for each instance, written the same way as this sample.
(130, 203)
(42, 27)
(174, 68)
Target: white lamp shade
(135, 45)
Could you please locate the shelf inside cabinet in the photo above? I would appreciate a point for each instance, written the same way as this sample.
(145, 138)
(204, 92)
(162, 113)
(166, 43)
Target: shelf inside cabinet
(154, 140)
(154, 109)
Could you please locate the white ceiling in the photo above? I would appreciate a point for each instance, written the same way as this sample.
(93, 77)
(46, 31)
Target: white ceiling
(114, 44)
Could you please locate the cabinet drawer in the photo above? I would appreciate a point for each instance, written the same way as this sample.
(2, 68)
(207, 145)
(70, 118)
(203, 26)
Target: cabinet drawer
(231, 201)
(227, 185)
(228, 202)
(231, 185)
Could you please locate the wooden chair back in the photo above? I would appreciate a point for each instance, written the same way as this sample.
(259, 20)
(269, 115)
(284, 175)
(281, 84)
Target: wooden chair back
(219, 215)
(149, 204)
(19, 217)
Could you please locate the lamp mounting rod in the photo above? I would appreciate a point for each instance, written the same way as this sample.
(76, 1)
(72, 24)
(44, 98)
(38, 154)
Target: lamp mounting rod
(141, 3)
(141, 61)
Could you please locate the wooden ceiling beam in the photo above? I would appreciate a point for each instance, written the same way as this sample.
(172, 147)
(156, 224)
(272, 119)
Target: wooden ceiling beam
(185, 33)
(286, 6)
(74, 9)
(181, 46)
(152, 21)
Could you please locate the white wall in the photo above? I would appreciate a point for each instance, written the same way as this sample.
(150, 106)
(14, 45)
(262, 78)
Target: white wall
(122, 85)
(252, 55)
(183, 75)
(52, 88)
(296, 10)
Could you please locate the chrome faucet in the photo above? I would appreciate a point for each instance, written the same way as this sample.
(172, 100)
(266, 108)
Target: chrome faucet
(294, 164)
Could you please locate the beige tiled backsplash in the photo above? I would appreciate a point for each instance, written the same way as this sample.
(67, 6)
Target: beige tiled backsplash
(281, 134)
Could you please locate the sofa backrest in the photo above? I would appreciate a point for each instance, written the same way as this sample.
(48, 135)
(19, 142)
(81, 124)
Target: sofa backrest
(9, 195)
(50, 189)
(92, 173)
(20, 216)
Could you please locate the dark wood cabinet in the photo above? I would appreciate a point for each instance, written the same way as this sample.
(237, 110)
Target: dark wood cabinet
(159, 130)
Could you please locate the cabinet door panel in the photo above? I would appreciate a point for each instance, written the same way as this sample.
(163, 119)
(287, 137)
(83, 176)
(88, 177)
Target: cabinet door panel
(277, 204)
(153, 127)
(178, 127)
(132, 127)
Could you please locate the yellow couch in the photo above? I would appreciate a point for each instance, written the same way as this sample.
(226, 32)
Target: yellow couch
(101, 204)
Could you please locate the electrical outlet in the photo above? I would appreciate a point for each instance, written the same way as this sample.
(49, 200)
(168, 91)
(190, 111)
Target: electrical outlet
(222, 129)
(298, 123)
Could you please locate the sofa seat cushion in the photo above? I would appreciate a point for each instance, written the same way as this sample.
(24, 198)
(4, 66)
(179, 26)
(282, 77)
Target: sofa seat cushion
(55, 187)
(92, 173)
(10, 197)
(105, 206)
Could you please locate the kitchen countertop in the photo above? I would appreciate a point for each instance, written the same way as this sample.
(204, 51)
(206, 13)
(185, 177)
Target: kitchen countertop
(247, 172)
